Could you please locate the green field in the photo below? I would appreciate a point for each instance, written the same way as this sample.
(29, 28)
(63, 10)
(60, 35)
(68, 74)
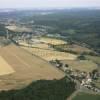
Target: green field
(82, 65)
(93, 58)
(86, 96)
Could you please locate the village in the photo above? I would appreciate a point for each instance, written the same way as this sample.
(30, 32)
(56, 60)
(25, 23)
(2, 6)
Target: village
(84, 79)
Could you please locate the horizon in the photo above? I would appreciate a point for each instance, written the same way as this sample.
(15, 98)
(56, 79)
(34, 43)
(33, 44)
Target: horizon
(48, 4)
(52, 8)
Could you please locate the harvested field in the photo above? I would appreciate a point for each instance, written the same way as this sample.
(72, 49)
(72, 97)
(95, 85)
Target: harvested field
(37, 45)
(52, 41)
(41, 45)
(82, 65)
(18, 28)
(50, 54)
(27, 68)
(46, 52)
(5, 68)
(43, 40)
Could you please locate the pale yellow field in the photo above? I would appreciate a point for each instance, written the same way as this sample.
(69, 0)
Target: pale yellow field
(42, 46)
(51, 54)
(52, 41)
(23, 43)
(43, 50)
(18, 29)
(38, 45)
(5, 68)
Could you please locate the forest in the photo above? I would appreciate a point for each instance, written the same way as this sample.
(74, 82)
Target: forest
(81, 25)
(42, 90)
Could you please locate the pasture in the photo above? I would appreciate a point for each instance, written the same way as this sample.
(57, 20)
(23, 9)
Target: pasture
(86, 96)
(82, 65)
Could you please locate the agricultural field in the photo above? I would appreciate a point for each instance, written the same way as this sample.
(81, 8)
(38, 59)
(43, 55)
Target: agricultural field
(86, 96)
(49, 55)
(93, 58)
(23, 68)
(77, 48)
(37, 45)
(44, 50)
(15, 28)
(74, 48)
(52, 41)
(41, 46)
(82, 65)
(5, 68)
(97, 83)
(43, 41)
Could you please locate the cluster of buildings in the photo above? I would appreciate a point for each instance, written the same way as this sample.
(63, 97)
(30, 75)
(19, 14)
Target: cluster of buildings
(85, 79)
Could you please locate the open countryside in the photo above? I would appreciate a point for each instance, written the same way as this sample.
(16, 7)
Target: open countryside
(50, 54)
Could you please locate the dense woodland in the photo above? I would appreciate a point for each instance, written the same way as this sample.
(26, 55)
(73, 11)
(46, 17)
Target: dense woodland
(79, 25)
(2, 30)
(42, 90)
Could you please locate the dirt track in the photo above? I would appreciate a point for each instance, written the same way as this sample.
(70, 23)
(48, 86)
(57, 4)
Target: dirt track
(27, 68)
